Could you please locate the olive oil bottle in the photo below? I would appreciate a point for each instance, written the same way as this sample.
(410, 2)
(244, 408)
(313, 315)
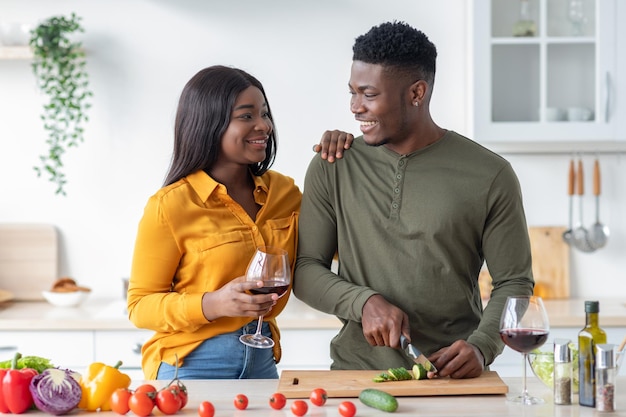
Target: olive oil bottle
(590, 336)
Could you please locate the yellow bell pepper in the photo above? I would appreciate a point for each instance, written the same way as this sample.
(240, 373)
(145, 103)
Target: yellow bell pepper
(98, 383)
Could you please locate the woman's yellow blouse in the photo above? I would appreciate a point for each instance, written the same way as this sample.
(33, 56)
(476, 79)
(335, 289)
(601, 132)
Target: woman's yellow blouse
(193, 238)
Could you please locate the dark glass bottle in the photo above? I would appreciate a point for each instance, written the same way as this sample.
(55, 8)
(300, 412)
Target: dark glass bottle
(590, 336)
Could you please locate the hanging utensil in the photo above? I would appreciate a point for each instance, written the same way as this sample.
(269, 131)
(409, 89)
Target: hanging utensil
(568, 235)
(599, 233)
(581, 236)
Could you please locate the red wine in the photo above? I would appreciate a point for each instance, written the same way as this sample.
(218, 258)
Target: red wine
(278, 287)
(524, 340)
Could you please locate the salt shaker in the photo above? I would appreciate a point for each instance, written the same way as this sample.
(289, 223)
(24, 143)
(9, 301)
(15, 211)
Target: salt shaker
(562, 372)
(605, 377)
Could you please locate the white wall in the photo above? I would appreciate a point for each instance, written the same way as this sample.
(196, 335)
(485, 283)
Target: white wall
(142, 52)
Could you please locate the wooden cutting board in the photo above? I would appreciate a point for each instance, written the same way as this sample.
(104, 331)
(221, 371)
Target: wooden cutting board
(28, 259)
(349, 384)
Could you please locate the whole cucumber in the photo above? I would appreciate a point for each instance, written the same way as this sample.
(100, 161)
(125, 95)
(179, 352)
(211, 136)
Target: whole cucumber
(378, 399)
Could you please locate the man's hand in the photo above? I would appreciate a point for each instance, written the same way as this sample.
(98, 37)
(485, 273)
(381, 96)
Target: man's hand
(333, 143)
(459, 360)
(383, 322)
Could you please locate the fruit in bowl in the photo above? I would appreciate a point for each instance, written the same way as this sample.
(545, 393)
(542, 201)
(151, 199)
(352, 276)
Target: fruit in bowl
(66, 293)
(542, 363)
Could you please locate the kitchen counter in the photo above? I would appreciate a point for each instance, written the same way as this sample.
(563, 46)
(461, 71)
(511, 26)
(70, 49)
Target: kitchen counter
(222, 392)
(110, 314)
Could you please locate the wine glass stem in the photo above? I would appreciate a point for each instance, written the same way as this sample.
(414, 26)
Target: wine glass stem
(259, 325)
(524, 389)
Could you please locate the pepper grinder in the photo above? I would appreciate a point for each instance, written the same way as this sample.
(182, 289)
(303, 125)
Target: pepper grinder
(605, 378)
(562, 372)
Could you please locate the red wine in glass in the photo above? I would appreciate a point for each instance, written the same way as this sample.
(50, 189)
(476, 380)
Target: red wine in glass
(270, 265)
(524, 340)
(524, 326)
(277, 287)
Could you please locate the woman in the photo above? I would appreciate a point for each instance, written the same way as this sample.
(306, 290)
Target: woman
(219, 202)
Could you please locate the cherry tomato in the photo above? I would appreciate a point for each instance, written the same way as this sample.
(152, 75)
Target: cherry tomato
(299, 407)
(148, 389)
(119, 400)
(241, 402)
(318, 396)
(278, 401)
(168, 400)
(183, 394)
(206, 409)
(141, 404)
(347, 409)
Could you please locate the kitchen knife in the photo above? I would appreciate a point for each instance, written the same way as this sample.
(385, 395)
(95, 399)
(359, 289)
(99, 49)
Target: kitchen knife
(415, 354)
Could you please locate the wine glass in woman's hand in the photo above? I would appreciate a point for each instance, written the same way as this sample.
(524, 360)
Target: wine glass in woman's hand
(270, 265)
(524, 326)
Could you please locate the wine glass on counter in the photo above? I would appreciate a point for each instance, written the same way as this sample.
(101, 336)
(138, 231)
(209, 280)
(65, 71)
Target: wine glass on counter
(270, 265)
(524, 326)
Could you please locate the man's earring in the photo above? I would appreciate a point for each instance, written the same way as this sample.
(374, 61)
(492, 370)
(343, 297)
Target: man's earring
(416, 104)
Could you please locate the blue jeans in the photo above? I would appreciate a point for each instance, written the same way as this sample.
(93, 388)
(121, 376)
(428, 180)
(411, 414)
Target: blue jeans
(225, 357)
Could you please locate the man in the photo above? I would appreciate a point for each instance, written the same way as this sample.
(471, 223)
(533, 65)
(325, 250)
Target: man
(412, 212)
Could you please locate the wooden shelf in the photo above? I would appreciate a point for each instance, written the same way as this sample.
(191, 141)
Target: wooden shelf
(16, 52)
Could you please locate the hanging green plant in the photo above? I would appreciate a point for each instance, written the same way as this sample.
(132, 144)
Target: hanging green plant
(59, 66)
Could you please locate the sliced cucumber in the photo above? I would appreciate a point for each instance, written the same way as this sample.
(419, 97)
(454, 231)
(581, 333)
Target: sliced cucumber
(399, 374)
(379, 400)
(419, 371)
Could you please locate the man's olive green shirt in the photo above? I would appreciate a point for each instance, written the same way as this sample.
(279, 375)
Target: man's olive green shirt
(416, 229)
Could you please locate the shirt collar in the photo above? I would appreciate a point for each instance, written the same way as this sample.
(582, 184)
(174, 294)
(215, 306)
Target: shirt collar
(204, 185)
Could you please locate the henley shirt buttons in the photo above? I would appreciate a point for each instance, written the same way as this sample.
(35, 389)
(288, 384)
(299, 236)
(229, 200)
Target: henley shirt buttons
(394, 205)
(399, 176)
(396, 190)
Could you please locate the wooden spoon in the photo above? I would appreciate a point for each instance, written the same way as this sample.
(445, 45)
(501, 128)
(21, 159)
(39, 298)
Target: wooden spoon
(568, 235)
(622, 345)
(581, 235)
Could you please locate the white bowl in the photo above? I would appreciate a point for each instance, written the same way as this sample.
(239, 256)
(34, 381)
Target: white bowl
(65, 299)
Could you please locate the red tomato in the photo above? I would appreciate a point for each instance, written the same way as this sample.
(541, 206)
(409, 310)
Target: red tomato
(241, 402)
(168, 400)
(278, 401)
(148, 389)
(347, 409)
(183, 394)
(318, 396)
(119, 400)
(141, 404)
(299, 407)
(206, 409)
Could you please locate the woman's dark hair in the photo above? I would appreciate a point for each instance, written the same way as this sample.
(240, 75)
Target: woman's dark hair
(203, 116)
(400, 48)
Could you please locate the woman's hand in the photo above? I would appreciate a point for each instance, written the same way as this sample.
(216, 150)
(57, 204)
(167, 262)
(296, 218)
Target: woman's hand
(333, 143)
(234, 300)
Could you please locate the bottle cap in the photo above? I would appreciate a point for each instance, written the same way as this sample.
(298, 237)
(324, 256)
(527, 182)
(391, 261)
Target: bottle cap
(592, 306)
(604, 356)
(562, 351)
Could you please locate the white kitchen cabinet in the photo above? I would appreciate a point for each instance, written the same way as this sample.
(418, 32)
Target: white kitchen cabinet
(306, 348)
(66, 349)
(112, 346)
(523, 86)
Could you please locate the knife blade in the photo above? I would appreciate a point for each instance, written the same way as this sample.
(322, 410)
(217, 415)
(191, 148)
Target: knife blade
(415, 354)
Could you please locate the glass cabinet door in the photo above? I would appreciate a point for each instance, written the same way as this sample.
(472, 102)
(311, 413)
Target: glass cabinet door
(543, 70)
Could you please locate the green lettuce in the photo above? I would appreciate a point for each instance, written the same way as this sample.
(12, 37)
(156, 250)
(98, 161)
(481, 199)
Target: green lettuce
(34, 362)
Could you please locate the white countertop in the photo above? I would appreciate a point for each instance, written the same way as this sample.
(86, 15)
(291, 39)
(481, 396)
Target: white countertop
(222, 392)
(110, 314)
